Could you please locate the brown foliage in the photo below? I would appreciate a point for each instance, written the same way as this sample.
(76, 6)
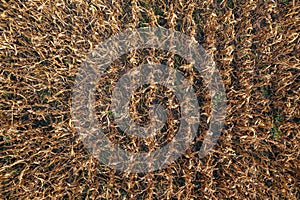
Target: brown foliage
(255, 45)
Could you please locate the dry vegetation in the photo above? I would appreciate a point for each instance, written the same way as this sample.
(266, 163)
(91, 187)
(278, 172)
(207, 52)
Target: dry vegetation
(255, 45)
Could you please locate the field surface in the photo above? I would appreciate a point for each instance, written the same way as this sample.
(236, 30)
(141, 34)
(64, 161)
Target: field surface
(255, 46)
